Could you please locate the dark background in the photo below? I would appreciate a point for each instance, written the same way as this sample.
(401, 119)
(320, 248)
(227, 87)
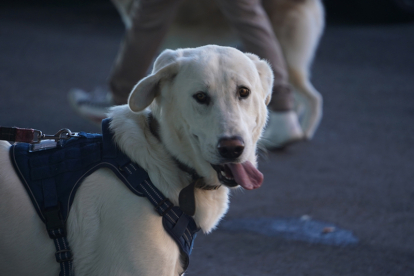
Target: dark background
(357, 173)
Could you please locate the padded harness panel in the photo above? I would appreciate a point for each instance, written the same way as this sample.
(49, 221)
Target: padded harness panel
(51, 178)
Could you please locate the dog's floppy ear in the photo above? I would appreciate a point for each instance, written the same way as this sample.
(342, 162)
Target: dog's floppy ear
(266, 75)
(148, 88)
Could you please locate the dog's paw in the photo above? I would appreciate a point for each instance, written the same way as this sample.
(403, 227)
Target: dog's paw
(283, 128)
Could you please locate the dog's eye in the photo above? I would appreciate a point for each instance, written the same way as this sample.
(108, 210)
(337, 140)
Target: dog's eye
(202, 98)
(243, 92)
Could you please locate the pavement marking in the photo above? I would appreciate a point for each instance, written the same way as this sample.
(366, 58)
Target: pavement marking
(300, 229)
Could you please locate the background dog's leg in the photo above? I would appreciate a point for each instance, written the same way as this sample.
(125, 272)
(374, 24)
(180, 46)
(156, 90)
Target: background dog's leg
(124, 8)
(298, 25)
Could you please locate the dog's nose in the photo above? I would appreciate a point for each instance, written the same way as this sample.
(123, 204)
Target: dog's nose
(230, 147)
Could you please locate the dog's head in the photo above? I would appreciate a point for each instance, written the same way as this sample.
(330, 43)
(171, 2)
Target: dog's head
(211, 106)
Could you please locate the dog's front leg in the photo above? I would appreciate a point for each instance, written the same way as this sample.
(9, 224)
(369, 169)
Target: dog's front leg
(114, 232)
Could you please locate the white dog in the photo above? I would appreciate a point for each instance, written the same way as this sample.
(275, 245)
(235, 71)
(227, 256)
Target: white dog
(209, 104)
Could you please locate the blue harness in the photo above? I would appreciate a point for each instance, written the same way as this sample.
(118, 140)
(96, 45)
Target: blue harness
(51, 178)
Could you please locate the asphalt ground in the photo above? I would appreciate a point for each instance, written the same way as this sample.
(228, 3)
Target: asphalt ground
(357, 174)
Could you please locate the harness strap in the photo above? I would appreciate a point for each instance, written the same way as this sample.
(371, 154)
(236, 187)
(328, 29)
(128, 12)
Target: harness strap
(180, 226)
(56, 227)
(63, 253)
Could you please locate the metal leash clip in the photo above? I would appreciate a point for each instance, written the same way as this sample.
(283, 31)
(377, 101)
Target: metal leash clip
(43, 141)
(62, 134)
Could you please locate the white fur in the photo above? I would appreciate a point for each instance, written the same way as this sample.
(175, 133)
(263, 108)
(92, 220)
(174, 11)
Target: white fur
(114, 232)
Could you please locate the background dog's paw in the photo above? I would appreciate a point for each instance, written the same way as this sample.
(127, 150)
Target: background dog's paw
(283, 128)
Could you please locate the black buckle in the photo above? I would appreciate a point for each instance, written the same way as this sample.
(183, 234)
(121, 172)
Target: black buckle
(54, 224)
(158, 206)
(59, 254)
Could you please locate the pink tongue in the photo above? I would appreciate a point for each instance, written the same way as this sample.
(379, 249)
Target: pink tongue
(246, 175)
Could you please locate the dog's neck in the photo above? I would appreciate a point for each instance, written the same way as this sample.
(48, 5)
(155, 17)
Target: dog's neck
(187, 195)
(154, 128)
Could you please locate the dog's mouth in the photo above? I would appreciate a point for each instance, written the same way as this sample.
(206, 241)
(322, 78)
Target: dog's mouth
(243, 174)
